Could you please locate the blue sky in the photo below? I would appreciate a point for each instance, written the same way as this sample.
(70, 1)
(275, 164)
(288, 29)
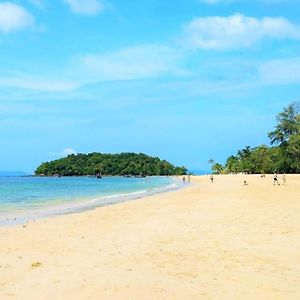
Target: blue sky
(185, 80)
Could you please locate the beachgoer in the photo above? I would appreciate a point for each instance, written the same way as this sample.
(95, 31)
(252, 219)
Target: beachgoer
(183, 179)
(212, 178)
(275, 179)
(189, 178)
(284, 178)
(245, 182)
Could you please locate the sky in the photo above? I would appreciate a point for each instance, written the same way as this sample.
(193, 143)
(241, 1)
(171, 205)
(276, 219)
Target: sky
(184, 80)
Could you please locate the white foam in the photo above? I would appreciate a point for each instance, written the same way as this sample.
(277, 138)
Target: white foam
(22, 216)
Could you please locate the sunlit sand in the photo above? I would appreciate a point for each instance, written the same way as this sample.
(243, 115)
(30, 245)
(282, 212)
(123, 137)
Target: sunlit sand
(220, 240)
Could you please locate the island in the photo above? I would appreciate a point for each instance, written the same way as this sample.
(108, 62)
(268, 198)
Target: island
(122, 164)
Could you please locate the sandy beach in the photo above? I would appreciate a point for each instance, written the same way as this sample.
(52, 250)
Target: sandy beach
(206, 241)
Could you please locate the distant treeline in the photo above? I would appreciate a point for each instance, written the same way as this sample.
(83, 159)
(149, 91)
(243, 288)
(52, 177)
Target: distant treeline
(123, 164)
(282, 157)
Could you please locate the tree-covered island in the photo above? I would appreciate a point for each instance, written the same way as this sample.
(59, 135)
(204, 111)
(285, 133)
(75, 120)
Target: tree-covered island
(123, 164)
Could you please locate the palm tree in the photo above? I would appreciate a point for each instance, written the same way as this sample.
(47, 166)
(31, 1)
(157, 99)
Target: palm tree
(211, 161)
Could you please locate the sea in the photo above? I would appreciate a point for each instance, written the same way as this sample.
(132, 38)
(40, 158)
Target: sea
(27, 198)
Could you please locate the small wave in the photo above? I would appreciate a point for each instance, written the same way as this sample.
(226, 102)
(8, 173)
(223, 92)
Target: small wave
(22, 216)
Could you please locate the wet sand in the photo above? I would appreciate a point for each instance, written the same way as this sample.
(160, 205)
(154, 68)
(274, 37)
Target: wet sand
(207, 241)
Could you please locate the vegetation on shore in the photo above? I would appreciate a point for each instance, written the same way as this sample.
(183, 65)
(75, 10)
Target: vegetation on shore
(283, 156)
(123, 164)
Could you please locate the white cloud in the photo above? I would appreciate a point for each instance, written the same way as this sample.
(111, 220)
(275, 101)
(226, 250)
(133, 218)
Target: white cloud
(65, 152)
(68, 151)
(132, 63)
(214, 1)
(14, 17)
(139, 62)
(39, 3)
(85, 7)
(34, 82)
(280, 71)
(248, 1)
(237, 31)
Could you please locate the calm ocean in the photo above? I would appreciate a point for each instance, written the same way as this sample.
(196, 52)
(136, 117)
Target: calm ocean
(26, 198)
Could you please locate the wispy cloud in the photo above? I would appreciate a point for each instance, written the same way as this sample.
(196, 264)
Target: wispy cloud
(215, 1)
(85, 7)
(237, 31)
(211, 2)
(280, 71)
(137, 62)
(65, 152)
(141, 61)
(161, 60)
(68, 151)
(14, 17)
(36, 82)
(38, 3)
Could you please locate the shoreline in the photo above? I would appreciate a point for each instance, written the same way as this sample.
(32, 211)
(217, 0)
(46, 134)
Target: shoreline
(21, 216)
(208, 241)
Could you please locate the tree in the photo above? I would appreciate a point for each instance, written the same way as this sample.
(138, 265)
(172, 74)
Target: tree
(232, 164)
(211, 161)
(293, 150)
(283, 156)
(261, 161)
(244, 156)
(288, 124)
(217, 168)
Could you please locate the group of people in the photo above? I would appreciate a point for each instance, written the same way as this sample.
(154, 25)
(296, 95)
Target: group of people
(188, 178)
(275, 179)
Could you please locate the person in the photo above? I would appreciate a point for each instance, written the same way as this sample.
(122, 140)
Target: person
(284, 178)
(245, 182)
(189, 178)
(212, 178)
(183, 179)
(275, 179)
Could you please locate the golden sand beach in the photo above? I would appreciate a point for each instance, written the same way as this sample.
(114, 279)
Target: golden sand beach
(206, 241)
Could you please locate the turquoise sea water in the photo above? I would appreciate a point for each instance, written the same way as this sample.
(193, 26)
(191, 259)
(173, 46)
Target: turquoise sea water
(27, 198)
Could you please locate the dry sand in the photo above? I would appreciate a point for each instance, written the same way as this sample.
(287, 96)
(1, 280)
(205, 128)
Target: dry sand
(207, 241)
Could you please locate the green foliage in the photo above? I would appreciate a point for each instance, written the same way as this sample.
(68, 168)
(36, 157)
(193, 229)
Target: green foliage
(288, 124)
(217, 168)
(284, 158)
(211, 161)
(261, 159)
(109, 164)
(293, 152)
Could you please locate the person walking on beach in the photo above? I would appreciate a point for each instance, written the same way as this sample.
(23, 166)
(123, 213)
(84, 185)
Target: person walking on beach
(183, 179)
(275, 179)
(189, 178)
(284, 178)
(212, 178)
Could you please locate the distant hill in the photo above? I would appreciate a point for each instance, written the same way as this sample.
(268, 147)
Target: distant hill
(123, 164)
